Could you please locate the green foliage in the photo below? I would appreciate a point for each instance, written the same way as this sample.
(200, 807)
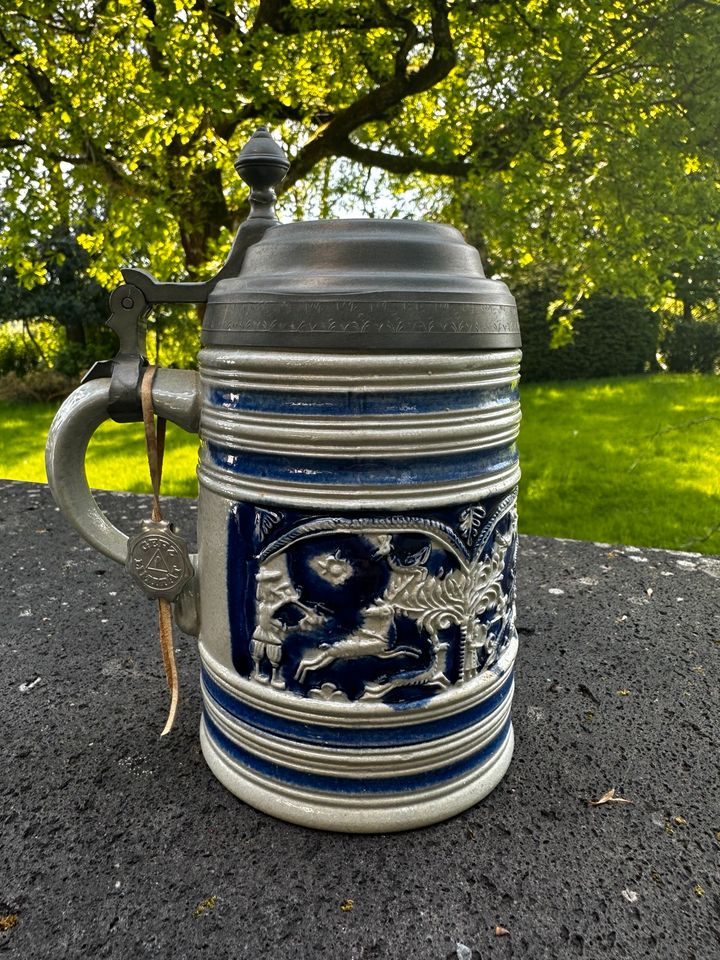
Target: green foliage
(581, 135)
(692, 346)
(173, 338)
(62, 314)
(29, 346)
(18, 354)
(610, 336)
(75, 358)
(77, 308)
(618, 179)
(59, 289)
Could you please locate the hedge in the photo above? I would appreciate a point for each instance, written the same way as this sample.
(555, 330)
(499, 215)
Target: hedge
(611, 336)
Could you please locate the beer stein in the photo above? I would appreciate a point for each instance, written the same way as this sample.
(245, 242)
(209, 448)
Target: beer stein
(354, 587)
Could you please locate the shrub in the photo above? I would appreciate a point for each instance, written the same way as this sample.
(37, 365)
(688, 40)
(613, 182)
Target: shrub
(46, 386)
(532, 305)
(17, 352)
(74, 358)
(611, 336)
(692, 346)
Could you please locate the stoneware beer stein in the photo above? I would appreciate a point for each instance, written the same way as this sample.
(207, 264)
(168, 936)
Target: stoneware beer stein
(354, 587)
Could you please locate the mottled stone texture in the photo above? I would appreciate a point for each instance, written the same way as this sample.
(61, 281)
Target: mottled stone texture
(118, 844)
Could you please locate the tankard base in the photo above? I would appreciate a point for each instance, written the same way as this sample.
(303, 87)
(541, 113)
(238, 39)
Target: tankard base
(359, 813)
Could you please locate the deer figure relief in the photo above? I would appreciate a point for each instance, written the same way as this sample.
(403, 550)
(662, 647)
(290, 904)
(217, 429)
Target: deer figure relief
(472, 597)
(371, 639)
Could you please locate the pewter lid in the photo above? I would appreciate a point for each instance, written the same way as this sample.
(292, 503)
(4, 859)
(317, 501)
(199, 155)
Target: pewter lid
(362, 285)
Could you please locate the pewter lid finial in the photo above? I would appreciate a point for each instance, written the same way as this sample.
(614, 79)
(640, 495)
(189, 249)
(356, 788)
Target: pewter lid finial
(262, 165)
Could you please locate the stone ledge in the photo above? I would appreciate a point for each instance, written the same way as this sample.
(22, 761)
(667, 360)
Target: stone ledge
(119, 844)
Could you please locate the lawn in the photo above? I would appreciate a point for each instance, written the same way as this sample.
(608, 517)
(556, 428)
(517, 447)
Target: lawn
(631, 460)
(116, 456)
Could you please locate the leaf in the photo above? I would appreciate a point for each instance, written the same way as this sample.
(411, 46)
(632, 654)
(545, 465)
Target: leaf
(470, 523)
(205, 906)
(608, 797)
(265, 520)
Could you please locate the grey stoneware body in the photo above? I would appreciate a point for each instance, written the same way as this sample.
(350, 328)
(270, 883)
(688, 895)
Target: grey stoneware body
(354, 588)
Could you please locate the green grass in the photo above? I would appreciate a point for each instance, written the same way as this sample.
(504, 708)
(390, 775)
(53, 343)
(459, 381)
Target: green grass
(116, 456)
(632, 460)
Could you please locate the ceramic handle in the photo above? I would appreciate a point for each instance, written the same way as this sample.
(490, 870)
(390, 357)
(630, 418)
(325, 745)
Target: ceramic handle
(176, 397)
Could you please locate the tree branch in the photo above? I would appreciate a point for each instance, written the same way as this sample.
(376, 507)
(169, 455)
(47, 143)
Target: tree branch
(377, 103)
(404, 163)
(493, 157)
(153, 51)
(50, 24)
(283, 18)
(225, 124)
(40, 81)
(222, 22)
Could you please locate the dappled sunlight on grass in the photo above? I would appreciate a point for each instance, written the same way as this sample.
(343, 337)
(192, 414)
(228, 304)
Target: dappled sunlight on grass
(116, 456)
(632, 460)
(643, 467)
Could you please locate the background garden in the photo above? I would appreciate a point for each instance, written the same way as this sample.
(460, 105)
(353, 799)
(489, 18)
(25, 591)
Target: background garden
(577, 146)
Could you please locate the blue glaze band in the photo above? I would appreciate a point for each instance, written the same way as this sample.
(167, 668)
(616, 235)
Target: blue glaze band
(357, 403)
(350, 785)
(382, 471)
(355, 736)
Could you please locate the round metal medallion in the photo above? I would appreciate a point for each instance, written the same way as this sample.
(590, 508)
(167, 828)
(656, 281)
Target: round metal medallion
(158, 561)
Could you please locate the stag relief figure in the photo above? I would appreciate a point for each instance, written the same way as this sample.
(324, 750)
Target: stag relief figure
(371, 639)
(436, 603)
(275, 589)
(413, 593)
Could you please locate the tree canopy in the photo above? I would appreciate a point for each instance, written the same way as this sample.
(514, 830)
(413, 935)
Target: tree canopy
(577, 138)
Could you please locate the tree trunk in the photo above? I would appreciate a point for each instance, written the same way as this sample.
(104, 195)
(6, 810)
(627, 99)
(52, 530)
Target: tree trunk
(202, 217)
(75, 333)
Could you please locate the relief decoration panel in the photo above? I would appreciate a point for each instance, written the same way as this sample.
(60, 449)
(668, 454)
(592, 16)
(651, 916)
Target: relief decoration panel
(391, 608)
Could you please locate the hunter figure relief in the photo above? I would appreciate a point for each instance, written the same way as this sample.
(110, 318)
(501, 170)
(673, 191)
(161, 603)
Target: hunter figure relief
(275, 590)
(379, 608)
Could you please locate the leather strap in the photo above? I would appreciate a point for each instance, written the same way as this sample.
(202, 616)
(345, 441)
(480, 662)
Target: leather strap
(155, 443)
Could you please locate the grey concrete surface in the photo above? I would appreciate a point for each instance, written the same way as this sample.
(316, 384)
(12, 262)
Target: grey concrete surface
(116, 843)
